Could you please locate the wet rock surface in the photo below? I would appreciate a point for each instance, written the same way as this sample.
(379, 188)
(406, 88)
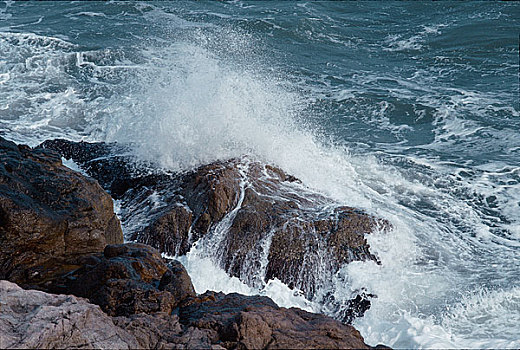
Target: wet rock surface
(147, 302)
(50, 216)
(257, 221)
(238, 321)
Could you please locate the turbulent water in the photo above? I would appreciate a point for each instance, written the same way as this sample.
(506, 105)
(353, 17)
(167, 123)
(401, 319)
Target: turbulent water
(409, 111)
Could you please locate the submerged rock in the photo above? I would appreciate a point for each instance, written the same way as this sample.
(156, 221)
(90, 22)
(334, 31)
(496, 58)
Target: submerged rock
(50, 216)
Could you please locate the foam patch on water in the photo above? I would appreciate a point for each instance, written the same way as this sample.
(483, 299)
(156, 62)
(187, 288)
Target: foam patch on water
(402, 42)
(419, 302)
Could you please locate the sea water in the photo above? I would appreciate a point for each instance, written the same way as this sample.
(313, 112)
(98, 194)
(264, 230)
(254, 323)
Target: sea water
(409, 111)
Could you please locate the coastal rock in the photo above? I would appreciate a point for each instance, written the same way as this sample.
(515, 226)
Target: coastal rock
(32, 319)
(256, 221)
(129, 279)
(255, 322)
(35, 319)
(261, 224)
(177, 281)
(252, 211)
(149, 304)
(158, 331)
(50, 216)
(111, 164)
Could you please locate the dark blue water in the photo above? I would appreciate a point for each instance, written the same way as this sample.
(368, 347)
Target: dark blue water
(408, 110)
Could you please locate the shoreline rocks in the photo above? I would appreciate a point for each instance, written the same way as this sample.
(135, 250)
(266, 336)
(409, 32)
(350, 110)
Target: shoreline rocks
(258, 222)
(129, 279)
(50, 216)
(35, 319)
(59, 234)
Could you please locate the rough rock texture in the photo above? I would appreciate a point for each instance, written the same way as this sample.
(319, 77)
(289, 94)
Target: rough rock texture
(238, 321)
(129, 279)
(257, 221)
(149, 304)
(177, 281)
(49, 216)
(36, 320)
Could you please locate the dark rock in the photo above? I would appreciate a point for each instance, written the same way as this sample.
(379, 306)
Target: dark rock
(34, 319)
(177, 281)
(169, 232)
(50, 216)
(109, 163)
(303, 236)
(209, 321)
(356, 307)
(129, 279)
(60, 233)
(204, 308)
(123, 297)
(257, 221)
(255, 322)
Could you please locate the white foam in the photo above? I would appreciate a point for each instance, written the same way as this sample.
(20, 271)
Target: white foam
(88, 14)
(207, 276)
(398, 42)
(197, 107)
(71, 164)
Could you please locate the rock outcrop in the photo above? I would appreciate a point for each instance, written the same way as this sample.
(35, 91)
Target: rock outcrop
(257, 221)
(50, 216)
(58, 233)
(237, 321)
(34, 319)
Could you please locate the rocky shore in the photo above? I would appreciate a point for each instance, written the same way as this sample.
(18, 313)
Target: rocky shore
(69, 280)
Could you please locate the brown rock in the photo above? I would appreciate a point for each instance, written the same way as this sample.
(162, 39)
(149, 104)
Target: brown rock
(211, 192)
(303, 236)
(169, 231)
(255, 322)
(49, 216)
(130, 279)
(157, 331)
(177, 281)
(253, 332)
(258, 222)
(34, 319)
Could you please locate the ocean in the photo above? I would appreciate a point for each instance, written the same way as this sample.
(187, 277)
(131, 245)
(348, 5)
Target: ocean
(407, 110)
